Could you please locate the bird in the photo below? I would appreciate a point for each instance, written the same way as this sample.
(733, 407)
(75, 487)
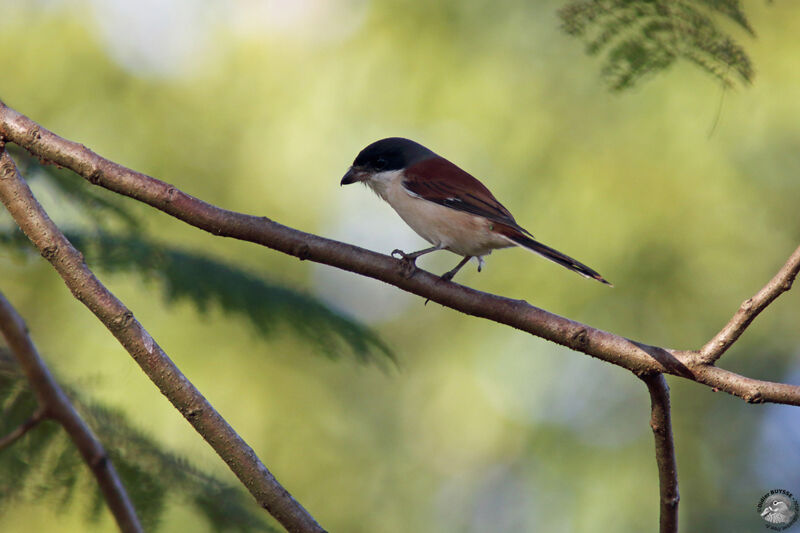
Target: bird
(779, 511)
(445, 205)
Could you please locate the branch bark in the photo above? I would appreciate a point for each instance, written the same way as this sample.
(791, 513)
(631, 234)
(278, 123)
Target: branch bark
(749, 310)
(661, 424)
(53, 403)
(68, 262)
(635, 356)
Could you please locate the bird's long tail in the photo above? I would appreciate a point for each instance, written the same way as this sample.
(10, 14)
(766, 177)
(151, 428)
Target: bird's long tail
(554, 255)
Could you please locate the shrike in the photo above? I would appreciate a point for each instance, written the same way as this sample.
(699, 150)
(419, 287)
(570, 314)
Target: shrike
(445, 205)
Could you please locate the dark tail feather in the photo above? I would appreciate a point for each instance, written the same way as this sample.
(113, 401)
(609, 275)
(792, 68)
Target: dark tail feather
(555, 256)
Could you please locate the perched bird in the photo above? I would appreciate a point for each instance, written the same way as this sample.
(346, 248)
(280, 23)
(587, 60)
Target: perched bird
(445, 205)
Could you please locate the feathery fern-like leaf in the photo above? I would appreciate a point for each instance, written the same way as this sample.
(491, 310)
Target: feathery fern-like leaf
(643, 37)
(206, 282)
(44, 464)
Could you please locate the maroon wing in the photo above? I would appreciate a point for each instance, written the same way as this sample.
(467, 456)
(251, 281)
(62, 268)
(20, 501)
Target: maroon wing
(441, 182)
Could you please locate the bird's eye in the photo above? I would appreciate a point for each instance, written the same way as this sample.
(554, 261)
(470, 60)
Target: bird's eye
(380, 163)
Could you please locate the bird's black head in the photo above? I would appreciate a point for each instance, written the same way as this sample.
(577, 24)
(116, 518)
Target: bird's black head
(389, 154)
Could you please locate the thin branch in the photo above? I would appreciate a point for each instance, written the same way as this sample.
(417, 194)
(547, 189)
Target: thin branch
(750, 309)
(635, 356)
(68, 262)
(23, 428)
(661, 423)
(55, 404)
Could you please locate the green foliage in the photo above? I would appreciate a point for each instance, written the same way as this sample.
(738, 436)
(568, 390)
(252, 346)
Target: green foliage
(207, 282)
(643, 37)
(44, 464)
(201, 280)
(204, 282)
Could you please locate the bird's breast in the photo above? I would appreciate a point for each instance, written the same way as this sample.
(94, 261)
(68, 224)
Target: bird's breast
(459, 232)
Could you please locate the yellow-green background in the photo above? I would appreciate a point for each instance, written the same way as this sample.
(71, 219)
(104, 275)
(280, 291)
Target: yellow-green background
(682, 194)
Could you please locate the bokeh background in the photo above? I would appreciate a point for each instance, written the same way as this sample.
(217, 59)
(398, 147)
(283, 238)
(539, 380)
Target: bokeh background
(682, 193)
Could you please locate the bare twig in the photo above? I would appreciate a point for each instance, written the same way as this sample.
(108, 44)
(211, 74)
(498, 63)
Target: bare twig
(23, 428)
(635, 356)
(750, 309)
(68, 262)
(54, 404)
(661, 423)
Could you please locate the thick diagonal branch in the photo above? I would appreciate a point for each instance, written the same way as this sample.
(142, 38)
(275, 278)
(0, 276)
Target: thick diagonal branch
(68, 262)
(749, 310)
(53, 403)
(661, 424)
(635, 356)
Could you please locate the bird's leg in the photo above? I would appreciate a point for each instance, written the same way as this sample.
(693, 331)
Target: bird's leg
(449, 275)
(409, 260)
(413, 256)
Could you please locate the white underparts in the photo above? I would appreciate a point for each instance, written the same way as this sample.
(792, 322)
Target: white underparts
(457, 231)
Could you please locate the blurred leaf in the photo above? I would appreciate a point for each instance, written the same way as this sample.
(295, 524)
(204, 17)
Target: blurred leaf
(45, 464)
(206, 282)
(643, 37)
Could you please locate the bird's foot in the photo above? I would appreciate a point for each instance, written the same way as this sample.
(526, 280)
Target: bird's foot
(408, 262)
(447, 276)
(400, 254)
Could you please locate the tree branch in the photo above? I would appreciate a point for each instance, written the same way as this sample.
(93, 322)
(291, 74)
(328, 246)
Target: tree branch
(53, 403)
(661, 423)
(749, 310)
(637, 357)
(23, 428)
(68, 262)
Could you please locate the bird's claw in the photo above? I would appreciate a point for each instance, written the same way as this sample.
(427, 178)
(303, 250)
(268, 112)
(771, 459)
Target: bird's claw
(400, 254)
(409, 262)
